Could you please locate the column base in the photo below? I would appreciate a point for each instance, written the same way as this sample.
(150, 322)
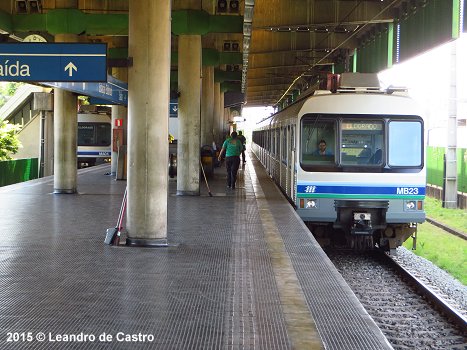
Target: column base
(61, 191)
(145, 242)
(187, 193)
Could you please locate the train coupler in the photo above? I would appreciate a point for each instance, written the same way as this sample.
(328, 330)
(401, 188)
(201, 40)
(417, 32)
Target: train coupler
(361, 224)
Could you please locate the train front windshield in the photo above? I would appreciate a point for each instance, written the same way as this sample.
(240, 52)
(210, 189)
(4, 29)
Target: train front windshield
(93, 134)
(360, 142)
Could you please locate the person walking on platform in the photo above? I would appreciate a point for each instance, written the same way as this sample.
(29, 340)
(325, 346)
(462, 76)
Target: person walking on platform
(232, 148)
(243, 141)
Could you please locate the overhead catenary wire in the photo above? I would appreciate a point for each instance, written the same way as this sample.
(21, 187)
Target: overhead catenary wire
(359, 29)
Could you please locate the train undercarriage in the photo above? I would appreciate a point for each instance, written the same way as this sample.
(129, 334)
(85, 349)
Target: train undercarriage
(361, 225)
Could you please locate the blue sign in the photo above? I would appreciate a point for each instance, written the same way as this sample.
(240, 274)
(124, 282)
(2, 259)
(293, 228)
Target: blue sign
(173, 109)
(57, 62)
(112, 92)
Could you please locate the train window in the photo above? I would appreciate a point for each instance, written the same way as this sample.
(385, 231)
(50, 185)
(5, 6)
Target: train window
(361, 142)
(317, 141)
(405, 143)
(275, 142)
(94, 134)
(284, 146)
(292, 137)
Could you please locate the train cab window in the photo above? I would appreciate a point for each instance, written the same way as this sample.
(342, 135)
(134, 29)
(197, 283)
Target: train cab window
(317, 141)
(405, 144)
(361, 143)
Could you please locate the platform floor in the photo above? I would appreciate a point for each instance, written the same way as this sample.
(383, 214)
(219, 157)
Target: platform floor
(241, 272)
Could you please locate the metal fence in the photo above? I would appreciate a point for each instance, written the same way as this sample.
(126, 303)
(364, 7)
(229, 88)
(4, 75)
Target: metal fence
(435, 167)
(19, 170)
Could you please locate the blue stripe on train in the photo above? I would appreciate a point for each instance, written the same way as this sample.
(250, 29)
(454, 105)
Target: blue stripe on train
(379, 190)
(94, 153)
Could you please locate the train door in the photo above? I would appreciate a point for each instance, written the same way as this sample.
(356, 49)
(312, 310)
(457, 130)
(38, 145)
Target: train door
(269, 148)
(286, 158)
(288, 173)
(277, 155)
(273, 153)
(292, 165)
(283, 156)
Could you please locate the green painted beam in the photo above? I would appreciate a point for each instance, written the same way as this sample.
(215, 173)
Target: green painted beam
(5, 22)
(27, 23)
(390, 44)
(117, 53)
(230, 58)
(74, 21)
(210, 57)
(197, 22)
(108, 24)
(65, 21)
(192, 22)
(225, 24)
(231, 86)
(221, 76)
(456, 14)
(71, 21)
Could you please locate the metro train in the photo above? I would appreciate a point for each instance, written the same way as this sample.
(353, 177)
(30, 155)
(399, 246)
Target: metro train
(94, 138)
(366, 189)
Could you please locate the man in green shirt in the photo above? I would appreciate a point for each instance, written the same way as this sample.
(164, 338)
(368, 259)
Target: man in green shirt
(232, 148)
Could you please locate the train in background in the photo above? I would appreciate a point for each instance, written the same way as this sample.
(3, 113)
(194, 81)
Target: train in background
(94, 139)
(366, 190)
(94, 134)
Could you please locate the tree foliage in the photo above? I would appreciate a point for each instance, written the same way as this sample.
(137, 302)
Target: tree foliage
(9, 142)
(7, 90)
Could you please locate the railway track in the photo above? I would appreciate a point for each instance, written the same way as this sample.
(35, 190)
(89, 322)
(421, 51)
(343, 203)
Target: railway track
(410, 314)
(447, 228)
(435, 300)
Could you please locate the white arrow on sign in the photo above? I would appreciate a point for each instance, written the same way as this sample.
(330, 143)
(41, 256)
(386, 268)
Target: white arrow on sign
(70, 67)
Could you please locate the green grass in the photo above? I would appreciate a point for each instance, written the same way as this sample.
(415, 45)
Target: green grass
(446, 251)
(454, 218)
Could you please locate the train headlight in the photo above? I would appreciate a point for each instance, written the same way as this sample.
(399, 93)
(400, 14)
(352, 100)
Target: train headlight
(311, 203)
(410, 205)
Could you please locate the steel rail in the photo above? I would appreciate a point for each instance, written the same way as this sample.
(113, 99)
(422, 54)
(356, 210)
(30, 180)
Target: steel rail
(451, 230)
(439, 303)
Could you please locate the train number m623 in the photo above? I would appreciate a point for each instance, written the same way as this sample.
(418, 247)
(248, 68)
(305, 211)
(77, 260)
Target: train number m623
(407, 190)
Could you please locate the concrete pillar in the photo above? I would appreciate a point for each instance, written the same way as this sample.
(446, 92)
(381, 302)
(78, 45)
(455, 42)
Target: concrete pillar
(65, 134)
(189, 108)
(119, 112)
(218, 116)
(148, 110)
(207, 106)
(225, 125)
(49, 144)
(450, 180)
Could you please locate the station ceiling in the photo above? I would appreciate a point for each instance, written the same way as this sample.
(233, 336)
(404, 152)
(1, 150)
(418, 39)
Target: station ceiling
(274, 49)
